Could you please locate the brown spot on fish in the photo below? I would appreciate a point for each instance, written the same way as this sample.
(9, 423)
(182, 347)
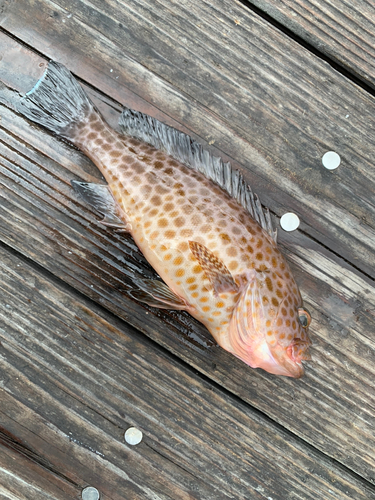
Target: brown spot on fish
(163, 222)
(279, 321)
(170, 234)
(195, 295)
(168, 256)
(183, 246)
(275, 302)
(265, 300)
(115, 153)
(206, 309)
(193, 287)
(156, 200)
(137, 167)
(154, 235)
(220, 304)
(180, 272)
(178, 261)
(232, 266)
(187, 209)
(232, 252)
(161, 189)
(158, 165)
(259, 256)
(205, 228)
(191, 279)
(167, 207)
(284, 311)
(179, 221)
(186, 233)
(269, 283)
(197, 269)
(225, 238)
(204, 299)
(279, 293)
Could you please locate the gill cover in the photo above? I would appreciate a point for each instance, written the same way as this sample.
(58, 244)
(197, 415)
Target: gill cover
(250, 322)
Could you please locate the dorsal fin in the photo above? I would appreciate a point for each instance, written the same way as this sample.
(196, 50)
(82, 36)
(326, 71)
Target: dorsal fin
(188, 151)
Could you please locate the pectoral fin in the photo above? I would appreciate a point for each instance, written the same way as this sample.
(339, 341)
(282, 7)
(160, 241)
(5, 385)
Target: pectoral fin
(215, 270)
(156, 294)
(99, 196)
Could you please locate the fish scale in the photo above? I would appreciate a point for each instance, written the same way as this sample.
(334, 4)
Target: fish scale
(215, 259)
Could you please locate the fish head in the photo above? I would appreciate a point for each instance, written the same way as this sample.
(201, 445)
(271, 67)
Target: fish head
(269, 325)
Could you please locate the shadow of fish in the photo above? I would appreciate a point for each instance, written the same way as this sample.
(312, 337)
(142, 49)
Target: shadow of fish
(195, 220)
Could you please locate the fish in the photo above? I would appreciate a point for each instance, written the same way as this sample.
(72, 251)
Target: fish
(194, 218)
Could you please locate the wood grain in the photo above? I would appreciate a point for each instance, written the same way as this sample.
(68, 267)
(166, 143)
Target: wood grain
(265, 101)
(74, 378)
(331, 408)
(339, 29)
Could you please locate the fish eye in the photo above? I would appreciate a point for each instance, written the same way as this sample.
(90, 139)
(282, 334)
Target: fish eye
(304, 317)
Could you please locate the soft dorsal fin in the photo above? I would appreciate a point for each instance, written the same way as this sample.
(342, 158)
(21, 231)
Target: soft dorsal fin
(191, 153)
(215, 270)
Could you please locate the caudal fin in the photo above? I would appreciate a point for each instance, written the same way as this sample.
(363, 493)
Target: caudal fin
(57, 102)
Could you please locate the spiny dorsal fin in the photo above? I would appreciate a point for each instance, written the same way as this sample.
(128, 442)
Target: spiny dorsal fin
(191, 153)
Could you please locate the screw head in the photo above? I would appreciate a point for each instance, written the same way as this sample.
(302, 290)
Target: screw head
(90, 493)
(133, 436)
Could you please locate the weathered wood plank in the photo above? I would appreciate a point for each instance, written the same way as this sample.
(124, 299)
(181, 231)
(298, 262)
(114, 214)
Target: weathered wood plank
(74, 378)
(331, 407)
(265, 101)
(342, 30)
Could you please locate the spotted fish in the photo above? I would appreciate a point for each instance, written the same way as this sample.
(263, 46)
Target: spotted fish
(195, 220)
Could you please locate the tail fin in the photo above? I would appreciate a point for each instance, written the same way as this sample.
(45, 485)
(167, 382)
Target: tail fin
(57, 102)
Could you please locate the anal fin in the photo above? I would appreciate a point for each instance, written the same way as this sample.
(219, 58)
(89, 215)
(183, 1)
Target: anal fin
(99, 196)
(215, 270)
(156, 294)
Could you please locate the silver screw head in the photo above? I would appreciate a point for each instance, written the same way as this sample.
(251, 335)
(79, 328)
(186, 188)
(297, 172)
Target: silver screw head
(289, 221)
(90, 493)
(133, 436)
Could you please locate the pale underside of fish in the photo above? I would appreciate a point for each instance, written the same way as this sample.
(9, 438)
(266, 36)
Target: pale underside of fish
(194, 219)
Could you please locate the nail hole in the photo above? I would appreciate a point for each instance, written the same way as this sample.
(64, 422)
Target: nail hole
(289, 221)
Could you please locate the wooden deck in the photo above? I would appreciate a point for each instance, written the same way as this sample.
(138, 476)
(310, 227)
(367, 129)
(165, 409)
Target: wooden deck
(271, 86)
